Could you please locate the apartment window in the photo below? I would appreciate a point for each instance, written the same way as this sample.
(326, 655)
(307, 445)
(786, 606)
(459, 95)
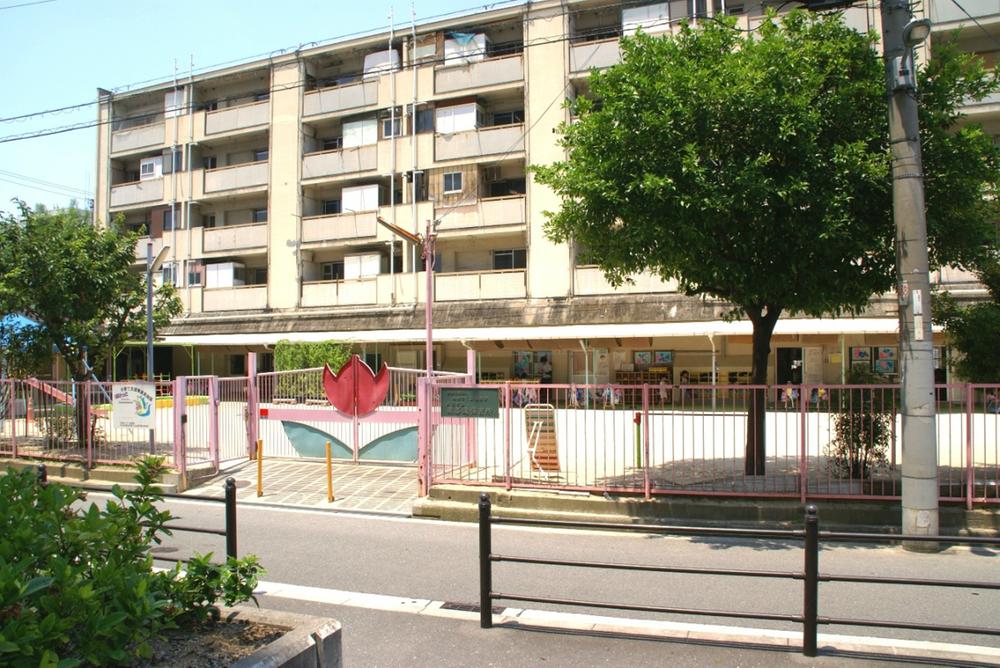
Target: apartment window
(508, 117)
(331, 207)
(261, 97)
(194, 274)
(453, 182)
(260, 155)
(516, 258)
(256, 275)
(333, 143)
(208, 220)
(425, 120)
(333, 271)
(392, 127)
(168, 220)
(211, 105)
(258, 215)
(209, 162)
(147, 170)
(168, 274)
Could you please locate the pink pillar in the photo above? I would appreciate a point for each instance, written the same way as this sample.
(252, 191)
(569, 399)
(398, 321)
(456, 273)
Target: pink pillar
(470, 425)
(969, 472)
(180, 423)
(423, 438)
(803, 454)
(252, 405)
(506, 437)
(646, 482)
(213, 420)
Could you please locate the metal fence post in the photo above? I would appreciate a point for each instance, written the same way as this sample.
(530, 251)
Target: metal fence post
(230, 518)
(970, 472)
(811, 583)
(804, 396)
(644, 435)
(43, 474)
(485, 564)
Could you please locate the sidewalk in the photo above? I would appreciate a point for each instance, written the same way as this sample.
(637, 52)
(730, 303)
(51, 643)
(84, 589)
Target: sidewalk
(356, 487)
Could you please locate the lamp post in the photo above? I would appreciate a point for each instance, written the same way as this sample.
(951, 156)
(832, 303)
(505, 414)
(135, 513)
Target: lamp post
(900, 34)
(152, 264)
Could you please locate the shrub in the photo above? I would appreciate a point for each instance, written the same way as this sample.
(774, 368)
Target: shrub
(289, 356)
(863, 427)
(77, 585)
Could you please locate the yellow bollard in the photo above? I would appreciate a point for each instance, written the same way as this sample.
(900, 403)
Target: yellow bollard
(260, 468)
(329, 474)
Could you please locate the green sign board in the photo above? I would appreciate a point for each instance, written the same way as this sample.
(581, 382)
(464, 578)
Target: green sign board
(470, 402)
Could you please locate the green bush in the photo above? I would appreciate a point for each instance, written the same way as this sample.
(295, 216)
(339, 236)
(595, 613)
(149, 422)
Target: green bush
(862, 426)
(289, 356)
(77, 585)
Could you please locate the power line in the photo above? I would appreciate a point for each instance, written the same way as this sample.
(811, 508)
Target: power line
(991, 37)
(48, 190)
(25, 177)
(26, 4)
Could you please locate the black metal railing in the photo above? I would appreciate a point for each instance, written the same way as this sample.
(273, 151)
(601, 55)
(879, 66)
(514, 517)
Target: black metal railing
(228, 532)
(810, 576)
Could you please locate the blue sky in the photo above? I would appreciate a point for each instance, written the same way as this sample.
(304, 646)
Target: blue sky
(56, 53)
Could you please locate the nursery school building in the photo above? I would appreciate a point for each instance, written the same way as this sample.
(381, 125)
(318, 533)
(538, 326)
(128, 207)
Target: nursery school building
(265, 187)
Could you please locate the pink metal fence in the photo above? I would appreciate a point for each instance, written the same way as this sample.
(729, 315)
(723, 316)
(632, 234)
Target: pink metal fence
(822, 441)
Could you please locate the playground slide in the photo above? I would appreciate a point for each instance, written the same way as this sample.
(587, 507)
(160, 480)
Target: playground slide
(58, 395)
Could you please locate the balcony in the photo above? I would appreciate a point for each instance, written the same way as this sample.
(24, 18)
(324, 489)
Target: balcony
(339, 227)
(985, 105)
(349, 97)
(127, 194)
(473, 285)
(238, 118)
(340, 161)
(945, 11)
(589, 280)
(486, 213)
(588, 55)
(247, 175)
(137, 137)
(243, 298)
(490, 72)
(140, 248)
(481, 142)
(234, 237)
(374, 290)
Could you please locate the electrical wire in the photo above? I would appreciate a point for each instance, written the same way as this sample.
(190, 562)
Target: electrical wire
(42, 182)
(26, 4)
(991, 37)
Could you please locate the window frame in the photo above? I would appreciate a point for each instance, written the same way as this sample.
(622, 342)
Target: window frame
(255, 216)
(332, 266)
(444, 183)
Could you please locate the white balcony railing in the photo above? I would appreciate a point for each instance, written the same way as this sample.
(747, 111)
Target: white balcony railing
(382, 289)
(588, 55)
(491, 212)
(243, 298)
(238, 118)
(338, 227)
(945, 11)
(127, 194)
(475, 143)
(472, 285)
(140, 248)
(489, 72)
(341, 161)
(137, 137)
(589, 280)
(234, 237)
(354, 96)
(246, 175)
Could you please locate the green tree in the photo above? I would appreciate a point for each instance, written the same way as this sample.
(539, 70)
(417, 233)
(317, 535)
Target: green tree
(755, 168)
(76, 282)
(974, 330)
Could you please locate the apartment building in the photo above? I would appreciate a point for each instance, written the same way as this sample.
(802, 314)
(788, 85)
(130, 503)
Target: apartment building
(267, 182)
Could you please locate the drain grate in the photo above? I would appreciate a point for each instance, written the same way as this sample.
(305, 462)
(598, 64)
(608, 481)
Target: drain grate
(470, 607)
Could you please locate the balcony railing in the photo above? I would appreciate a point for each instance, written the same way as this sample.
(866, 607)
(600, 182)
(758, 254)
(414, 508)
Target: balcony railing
(140, 247)
(491, 212)
(234, 237)
(590, 280)
(490, 72)
(975, 105)
(372, 290)
(340, 98)
(246, 175)
(340, 161)
(472, 285)
(484, 141)
(338, 227)
(588, 55)
(137, 137)
(238, 118)
(127, 194)
(241, 298)
(944, 11)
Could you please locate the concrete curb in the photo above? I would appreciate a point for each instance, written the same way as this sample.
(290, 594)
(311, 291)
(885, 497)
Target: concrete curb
(311, 642)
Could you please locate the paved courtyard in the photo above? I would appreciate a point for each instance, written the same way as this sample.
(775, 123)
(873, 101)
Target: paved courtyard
(356, 487)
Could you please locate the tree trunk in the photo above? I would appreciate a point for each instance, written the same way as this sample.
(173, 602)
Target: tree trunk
(756, 446)
(81, 417)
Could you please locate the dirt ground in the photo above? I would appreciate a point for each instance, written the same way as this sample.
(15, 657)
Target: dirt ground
(213, 646)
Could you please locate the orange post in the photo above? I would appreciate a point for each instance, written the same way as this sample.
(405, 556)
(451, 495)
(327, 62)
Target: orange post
(260, 468)
(329, 474)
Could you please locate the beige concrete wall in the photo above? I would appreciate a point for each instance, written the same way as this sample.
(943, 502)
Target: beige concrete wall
(285, 201)
(545, 55)
(102, 192)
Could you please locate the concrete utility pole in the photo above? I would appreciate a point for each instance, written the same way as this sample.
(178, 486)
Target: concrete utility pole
(900, 33)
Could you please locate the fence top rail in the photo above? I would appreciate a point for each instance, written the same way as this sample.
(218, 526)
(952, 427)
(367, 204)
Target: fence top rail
(165, 495)
(851, 537)
(791, 534)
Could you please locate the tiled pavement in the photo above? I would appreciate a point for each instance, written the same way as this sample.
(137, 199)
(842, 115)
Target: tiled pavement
(356, 487)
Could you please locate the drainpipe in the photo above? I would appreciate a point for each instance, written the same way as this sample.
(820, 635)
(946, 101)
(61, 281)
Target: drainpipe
(190, 165)
(413, 144)
(173, 176)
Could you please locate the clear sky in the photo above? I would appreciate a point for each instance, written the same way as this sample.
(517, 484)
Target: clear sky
(56, 53)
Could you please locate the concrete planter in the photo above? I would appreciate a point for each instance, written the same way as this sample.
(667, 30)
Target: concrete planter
(311, 642)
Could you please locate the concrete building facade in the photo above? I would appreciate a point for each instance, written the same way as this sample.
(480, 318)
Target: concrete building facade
(267, 181)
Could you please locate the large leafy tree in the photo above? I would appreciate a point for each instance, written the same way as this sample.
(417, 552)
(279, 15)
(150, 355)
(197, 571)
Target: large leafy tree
(76, 284)
(974, 329)
(755, 168)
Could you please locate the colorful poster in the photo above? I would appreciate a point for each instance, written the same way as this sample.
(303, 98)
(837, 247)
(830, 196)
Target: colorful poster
(522, 364)
(133, 405)
(886, 353)
(858, 354)
(885, 366)
(643, 358)
(663, 357)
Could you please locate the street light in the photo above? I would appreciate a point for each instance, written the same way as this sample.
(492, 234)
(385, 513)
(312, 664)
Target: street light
(900, 34)
(152, 264)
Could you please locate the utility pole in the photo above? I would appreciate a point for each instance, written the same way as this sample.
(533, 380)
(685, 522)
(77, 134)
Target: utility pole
(900, 34)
